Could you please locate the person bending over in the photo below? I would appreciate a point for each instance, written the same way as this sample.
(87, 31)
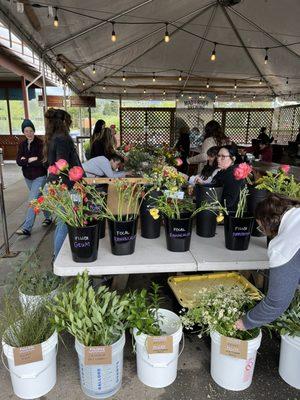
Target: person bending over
(102, 166)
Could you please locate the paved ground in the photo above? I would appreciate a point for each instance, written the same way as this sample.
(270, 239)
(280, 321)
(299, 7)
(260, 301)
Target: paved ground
(193, 382)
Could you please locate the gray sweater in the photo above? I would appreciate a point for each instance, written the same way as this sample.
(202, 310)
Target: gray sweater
(100, 166)
(283, 282)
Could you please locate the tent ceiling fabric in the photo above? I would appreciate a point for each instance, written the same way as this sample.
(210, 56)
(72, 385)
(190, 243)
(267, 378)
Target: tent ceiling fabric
(140, 49)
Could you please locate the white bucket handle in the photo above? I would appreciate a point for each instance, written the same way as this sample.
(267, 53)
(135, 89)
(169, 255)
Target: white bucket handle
(26, 376)
(164, 365)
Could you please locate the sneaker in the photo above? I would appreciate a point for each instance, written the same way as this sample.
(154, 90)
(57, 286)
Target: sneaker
(23, 232)
(47, 222)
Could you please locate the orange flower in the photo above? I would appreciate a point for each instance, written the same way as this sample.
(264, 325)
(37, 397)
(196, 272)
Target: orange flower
(36, 210)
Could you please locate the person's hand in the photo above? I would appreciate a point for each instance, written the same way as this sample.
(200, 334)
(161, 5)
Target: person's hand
(198, 180)
(23, 158)
(240, 325)
(129, 173)
(31, 159)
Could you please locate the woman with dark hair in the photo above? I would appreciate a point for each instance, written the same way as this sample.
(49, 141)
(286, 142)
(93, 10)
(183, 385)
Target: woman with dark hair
(103, 145)
(98, 130)
(279, 218)
(183, 146)
(209, 170)
(213, 136)
(59, 145)
(225, 177)
(265, 150)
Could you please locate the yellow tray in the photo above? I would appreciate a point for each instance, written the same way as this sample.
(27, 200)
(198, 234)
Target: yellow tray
(184, 287)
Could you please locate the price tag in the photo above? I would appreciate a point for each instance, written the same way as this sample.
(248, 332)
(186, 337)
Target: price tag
(27, 355)
(234, 347)
(174, 195)
(159, 344)
(97, 355)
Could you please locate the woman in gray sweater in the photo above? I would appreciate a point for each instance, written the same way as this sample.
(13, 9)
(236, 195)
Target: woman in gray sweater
(278, 217)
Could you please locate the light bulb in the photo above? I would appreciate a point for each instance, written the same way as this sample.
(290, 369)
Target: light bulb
(103, 87)
(167, 36)
(213, 54)
(55, 22)
(153, 78)
(235, 85)
(207, 84)
(113, 33)
(83, 83)
(266, 57)
(94, 69)
(64, 68)
(180, 77)
(260, 81)
(124, 77)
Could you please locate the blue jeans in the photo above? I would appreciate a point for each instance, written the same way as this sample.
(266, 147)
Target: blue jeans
(34, 187)
(60, 234)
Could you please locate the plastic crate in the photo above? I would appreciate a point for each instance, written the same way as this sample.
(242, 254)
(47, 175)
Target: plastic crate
(185, 287)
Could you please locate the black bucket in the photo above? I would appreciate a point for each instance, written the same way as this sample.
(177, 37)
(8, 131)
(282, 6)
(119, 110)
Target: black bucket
(150, 227)
(178, 233)
(122, 236)
(254, 198)
(84, 243)
(206, 221)
(237, 232)
(102, 224)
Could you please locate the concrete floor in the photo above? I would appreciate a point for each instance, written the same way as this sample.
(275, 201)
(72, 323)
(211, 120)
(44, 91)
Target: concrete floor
(193, 381)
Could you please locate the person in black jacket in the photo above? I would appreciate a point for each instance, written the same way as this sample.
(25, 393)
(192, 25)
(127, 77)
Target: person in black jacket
(59, 145)
(30, 158)
(103, 145)
(231, 186)
(183, 146)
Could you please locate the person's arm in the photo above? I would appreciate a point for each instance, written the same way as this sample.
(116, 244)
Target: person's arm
(21, 159)
(108, 171)
(283, 282)
(39, 154)
(202, 156)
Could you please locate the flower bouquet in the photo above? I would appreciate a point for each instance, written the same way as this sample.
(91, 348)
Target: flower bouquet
(238, 226)
(80, 208)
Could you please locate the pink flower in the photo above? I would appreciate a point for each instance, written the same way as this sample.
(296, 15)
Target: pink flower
(75, 174)
(62, 165)
(242, 171)
(285, 168)
(127, 148)
(178, 161)
(53, 170)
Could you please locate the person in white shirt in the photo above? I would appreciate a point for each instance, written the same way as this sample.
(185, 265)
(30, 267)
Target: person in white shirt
(103, 167)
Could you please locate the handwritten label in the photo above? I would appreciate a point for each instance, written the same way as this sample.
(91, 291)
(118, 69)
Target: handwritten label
(234, 347)
(174, 195)
(27, 355)
(97, 355)
(159, 344)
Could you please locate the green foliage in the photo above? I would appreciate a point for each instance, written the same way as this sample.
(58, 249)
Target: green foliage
(218, 308)
(289, 322)
(94, 318)
(23, 326)
(143, 311)
(29, 276)
(279, 182)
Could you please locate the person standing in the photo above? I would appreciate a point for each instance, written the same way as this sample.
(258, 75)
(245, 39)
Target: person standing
(30, 158)
(103, 145)
(97, 134)
(59, 145)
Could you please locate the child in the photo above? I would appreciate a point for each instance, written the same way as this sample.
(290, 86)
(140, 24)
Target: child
(209, 170)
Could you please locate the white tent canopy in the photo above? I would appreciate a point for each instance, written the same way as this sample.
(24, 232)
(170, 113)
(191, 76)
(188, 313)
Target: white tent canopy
(94, 64)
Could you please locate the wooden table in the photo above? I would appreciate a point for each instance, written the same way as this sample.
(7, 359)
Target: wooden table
(152, 256)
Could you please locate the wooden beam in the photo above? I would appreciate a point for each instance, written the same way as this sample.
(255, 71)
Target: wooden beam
(31, 15)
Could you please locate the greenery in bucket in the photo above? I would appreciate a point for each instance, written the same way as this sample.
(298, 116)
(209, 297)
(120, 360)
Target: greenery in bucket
(143, 311)
(289, 322)
(31, 279)
(22, 326)
(218, 308)
(93, 317)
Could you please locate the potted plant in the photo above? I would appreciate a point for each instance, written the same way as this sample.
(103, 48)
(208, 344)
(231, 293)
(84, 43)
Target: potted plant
(96, 319)
(178, 211)
(35, 285)
(80, 208)
(288, 326)
(29, 343)
(157, 333)
(233, 352)
(123, 224)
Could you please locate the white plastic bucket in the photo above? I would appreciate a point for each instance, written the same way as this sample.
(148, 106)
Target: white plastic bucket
(31, 381)
(229, 372)
(289, 361)
(32, 301)
(159, 370)
(102, 381)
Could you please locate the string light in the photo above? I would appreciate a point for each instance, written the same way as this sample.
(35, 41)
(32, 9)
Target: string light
(182, 94)
(153, 77)
(124, 77)
(254, 97)
(260, 81)
(180, 76)
(207, 83)
(164, 92)
(190, 97)
(55, 22)
(266, 56)
(94, 69)
(113, 33)
(235, 85)
(234, 96)
(213, 54)
(83, 83)
(64, 68)
(287, 81)
(144, 91)
(167, 36)
(103, 87)
(216, 97)
(124, 90)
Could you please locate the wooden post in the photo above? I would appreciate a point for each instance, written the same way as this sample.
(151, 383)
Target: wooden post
(8, 111)
(25, 98)
(90, 121)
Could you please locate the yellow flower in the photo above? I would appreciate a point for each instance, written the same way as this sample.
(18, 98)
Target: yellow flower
(174, 189)
(154, 212)
(220, 217)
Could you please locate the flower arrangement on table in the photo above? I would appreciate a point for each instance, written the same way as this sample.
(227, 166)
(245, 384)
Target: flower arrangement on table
(217, 309)
(76, 207)
(280, 182)
(242, 171)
